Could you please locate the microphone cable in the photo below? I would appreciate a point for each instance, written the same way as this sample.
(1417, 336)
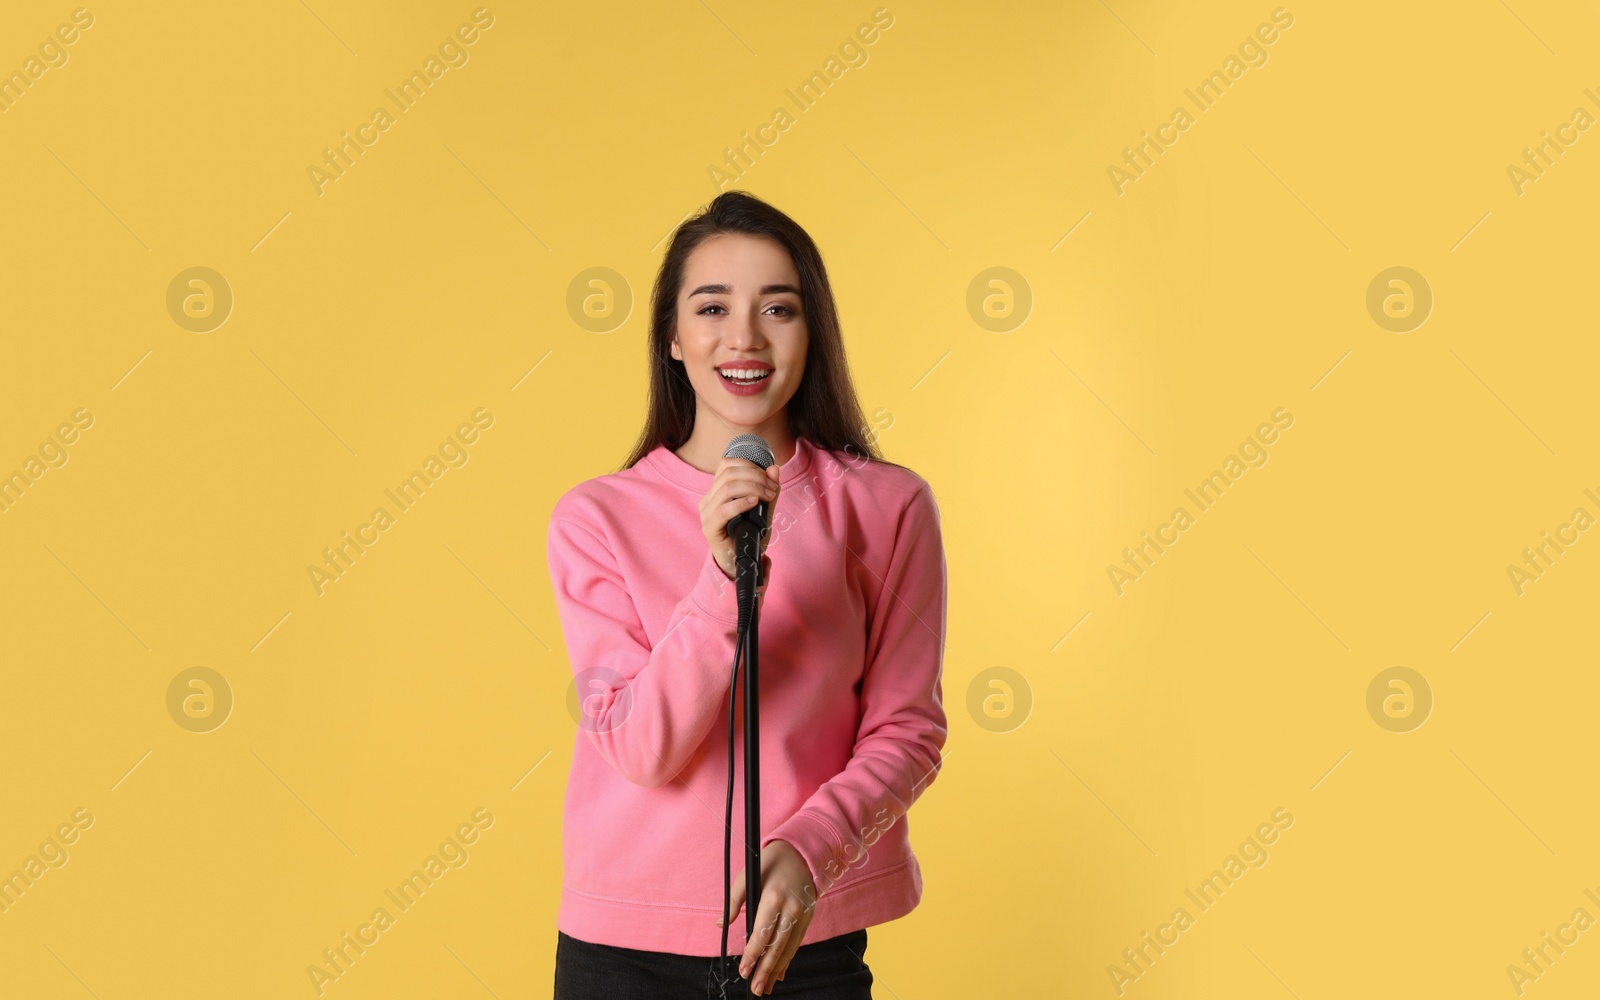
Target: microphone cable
(727, 825)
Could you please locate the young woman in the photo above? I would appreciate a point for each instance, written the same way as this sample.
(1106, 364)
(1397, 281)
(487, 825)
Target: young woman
(744, 339)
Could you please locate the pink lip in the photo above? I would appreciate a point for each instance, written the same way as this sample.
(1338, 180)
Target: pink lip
(747, 390)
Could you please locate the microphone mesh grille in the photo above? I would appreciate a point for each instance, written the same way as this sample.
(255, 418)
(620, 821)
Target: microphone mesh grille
(752, 448)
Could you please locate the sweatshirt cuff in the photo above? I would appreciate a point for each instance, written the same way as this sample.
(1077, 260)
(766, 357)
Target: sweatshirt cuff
(716, 596)
(815, 840)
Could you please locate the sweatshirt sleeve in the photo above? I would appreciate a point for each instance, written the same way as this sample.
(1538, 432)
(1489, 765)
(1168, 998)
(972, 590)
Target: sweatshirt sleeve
(646, 709)
(903, 726)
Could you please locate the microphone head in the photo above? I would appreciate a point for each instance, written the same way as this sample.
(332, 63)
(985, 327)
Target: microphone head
(752, 448)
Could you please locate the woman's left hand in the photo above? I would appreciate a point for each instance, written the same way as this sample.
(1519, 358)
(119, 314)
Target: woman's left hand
(788, 902)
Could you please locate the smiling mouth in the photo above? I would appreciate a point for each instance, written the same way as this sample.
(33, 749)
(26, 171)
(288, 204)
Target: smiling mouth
(760, 376)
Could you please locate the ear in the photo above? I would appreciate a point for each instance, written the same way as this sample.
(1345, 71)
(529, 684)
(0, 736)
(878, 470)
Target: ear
(676, 354)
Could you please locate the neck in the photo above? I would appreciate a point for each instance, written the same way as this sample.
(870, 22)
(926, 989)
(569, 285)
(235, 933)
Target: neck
(711, 434)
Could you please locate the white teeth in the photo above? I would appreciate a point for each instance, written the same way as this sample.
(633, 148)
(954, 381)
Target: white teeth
(745, 373)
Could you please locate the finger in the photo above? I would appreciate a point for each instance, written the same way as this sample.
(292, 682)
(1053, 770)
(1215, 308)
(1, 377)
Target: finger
(753, 489)
(735, 898)
(733, 508)
(765, 932)
(790, 947)
(733, 489)
(766, 972)
(738, 467)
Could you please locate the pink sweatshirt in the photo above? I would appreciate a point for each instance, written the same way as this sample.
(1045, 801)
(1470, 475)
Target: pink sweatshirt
(852, 718)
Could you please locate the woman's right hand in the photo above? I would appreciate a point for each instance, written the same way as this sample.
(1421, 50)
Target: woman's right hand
(738, 485)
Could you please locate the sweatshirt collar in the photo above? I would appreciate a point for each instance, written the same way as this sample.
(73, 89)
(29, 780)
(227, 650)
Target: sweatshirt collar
(666, 462)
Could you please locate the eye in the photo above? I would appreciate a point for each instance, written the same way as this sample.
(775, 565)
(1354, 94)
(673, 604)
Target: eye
(706, 310)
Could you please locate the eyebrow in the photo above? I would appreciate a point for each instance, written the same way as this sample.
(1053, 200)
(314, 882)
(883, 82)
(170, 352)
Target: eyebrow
(726, 290)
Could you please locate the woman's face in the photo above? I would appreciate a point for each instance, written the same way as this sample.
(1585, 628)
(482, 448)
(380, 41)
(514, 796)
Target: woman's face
(739, 309)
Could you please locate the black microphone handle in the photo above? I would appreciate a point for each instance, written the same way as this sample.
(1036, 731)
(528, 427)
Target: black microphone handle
(749, 534)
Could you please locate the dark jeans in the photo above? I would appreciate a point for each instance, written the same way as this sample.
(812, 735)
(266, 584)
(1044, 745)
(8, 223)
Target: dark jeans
(833, 969)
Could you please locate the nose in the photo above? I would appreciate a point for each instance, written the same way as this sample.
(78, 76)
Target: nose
(745, 333)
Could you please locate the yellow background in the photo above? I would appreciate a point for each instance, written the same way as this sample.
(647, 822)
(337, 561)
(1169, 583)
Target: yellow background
(372, 319)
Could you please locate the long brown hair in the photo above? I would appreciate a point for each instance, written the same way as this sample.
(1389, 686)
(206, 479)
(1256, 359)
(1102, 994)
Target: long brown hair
(824, 408)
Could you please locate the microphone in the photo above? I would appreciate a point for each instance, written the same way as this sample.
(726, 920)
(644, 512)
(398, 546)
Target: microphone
(749, 529)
